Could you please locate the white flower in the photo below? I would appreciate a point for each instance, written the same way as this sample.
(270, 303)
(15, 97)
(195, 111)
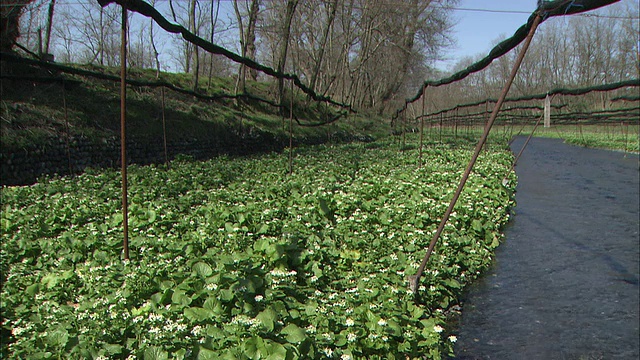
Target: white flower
(382, 322)
(328, 352)
(438, 328)
(311, 329)
(16, 331)
(453, 339)
(211, 286)
(351, 337)
(197, 330)
(349, 322)
(345, 357)
(259, 298)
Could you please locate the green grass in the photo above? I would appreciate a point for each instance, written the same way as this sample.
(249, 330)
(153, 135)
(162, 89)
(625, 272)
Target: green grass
(612, 137)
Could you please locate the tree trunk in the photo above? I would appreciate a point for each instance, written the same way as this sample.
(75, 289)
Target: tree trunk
(153, 45)
(250, 38)
(195, 54)
(286, 31)
(214, 21)
(240, 81)
(10, 12)
(316, 71)
(102, 36)
(47, 38)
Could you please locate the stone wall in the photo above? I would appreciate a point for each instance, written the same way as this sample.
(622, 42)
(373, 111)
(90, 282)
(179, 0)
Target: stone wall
(24, 166)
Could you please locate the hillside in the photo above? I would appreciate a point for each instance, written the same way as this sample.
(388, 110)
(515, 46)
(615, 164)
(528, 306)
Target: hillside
(39, 116)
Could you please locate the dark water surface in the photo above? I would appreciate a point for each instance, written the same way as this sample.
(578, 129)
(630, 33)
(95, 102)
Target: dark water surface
(565, 281)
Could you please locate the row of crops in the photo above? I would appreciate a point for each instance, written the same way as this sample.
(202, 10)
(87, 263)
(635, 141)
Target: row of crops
(236, 259)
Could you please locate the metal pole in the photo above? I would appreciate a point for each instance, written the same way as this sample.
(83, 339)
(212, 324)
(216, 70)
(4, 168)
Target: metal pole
(440, 132)
(455, 124)
(66, 126)
(404, 130)
(164, 130)
(421, 128)
(524, 146)
(291, 131)
(483, 139)
(123, 134)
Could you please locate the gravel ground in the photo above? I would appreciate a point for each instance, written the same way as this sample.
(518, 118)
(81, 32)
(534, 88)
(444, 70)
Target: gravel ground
(565, 281)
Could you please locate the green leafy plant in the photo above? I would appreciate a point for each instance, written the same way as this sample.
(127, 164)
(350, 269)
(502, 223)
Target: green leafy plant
(235, 259)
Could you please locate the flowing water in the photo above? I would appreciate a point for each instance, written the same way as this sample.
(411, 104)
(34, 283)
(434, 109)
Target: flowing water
(565, 281)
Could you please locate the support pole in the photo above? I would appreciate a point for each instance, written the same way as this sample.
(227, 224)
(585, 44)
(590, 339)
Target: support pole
(123, 133)
(441, 124)
(404, 130)
(66, 127)
(414, 281)
(164, 130)
(515, 161)
(422, 128)
(291, 131)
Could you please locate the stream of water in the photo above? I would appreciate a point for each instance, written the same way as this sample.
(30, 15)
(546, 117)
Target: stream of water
(565, 281)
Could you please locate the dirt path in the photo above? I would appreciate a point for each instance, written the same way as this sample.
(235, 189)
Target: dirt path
(565, 281)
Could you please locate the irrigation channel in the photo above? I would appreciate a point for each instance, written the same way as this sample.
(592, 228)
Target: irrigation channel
(565, 281)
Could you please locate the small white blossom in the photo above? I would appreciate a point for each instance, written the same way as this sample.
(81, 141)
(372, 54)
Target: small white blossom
(438, 328)
(211, 286)
(327, 351)
(349, 322)
(382, 322)
(453, 338)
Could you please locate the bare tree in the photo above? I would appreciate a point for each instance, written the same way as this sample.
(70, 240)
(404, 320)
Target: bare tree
(195, 54)
(10, 13)
(284, 45)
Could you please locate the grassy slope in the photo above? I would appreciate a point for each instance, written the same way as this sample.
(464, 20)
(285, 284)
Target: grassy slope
(33, 113)
(613, 137)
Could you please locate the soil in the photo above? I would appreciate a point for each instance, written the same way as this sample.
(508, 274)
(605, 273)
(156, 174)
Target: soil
(565, 281)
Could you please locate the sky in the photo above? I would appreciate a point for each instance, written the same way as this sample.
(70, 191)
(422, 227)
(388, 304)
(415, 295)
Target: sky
(476, 31)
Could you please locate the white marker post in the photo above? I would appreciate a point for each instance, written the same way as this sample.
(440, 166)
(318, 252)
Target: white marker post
(547, 111)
